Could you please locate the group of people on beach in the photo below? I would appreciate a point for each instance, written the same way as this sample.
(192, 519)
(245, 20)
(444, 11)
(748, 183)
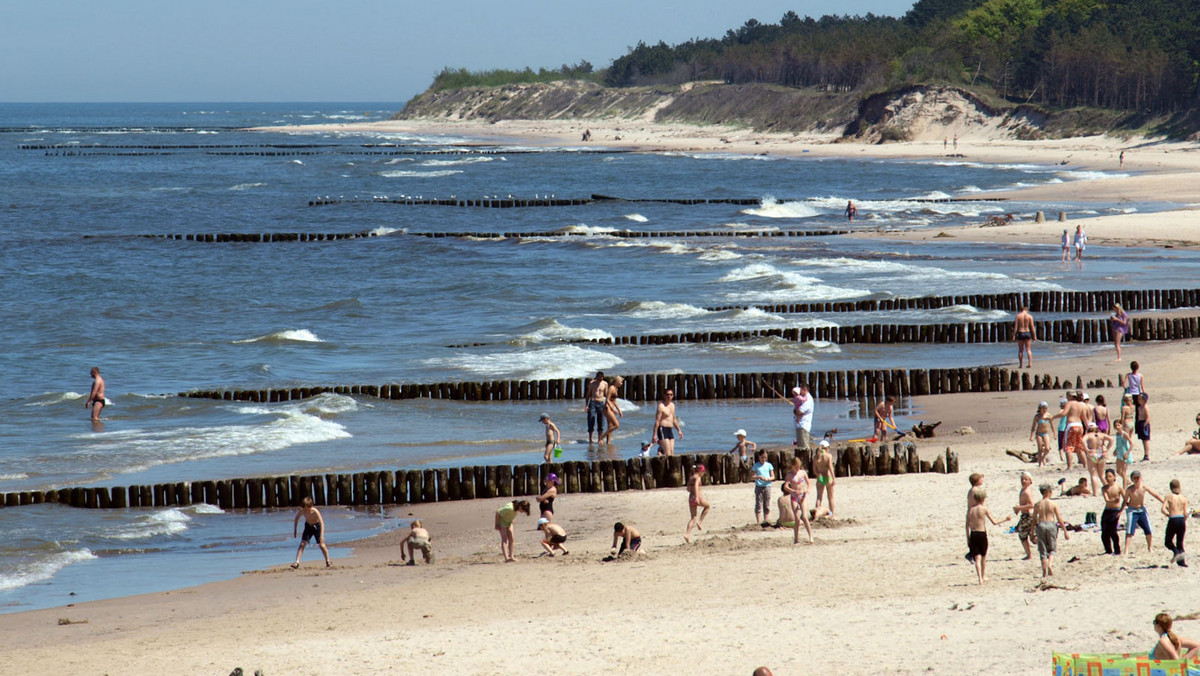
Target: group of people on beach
(1073, 242)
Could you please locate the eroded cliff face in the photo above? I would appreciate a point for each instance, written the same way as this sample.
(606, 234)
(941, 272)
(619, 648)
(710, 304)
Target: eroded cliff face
(917, 112)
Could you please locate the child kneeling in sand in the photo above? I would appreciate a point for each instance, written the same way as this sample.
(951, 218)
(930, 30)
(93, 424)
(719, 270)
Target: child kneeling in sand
(555, 536)
(629, 537)
(314, 527)
(418, 538)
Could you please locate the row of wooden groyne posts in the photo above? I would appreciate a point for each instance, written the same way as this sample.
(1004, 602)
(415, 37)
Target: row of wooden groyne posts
(862, 383)
(510, 202)
(1037, 301)
(256, 237)
(418, 486)
(1056, 331)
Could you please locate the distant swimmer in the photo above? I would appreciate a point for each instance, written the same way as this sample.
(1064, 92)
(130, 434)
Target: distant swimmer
(851, 210)
(95, 400)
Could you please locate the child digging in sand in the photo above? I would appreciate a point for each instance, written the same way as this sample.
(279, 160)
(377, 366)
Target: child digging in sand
(505, 516)
(555, 536)
(314, 527)
(977, 539)
(695, 499)
(629, 536)
(418, 538)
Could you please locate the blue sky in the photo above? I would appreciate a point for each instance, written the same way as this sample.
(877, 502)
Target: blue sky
(359, 50)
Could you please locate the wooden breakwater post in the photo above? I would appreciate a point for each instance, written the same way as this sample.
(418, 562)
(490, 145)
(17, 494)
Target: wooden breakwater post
(467, 483)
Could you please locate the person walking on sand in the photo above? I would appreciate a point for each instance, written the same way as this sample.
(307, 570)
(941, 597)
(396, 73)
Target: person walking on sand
(1135, 509)
(1049, 520)
(1075, 412)
(595, 398)
(796, 487)
(1024, 332)
(553, 436)
(695, 500)
(977, 539)
(1024, 511)
(1114, 497)
(314, 527)
(764, 475)
(802, 410)
(666, 425)
(612, 410)
(417, 539)
(95, 400)
(823, 469)
(505, 516)
(1118, 323)
(1175, 508)
(976, 481)
(1041, 428)
(546, 499)
(1079, 241)
(851, 210)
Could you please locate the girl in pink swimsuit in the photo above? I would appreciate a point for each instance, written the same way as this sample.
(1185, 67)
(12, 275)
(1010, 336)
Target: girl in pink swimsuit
(797, 487)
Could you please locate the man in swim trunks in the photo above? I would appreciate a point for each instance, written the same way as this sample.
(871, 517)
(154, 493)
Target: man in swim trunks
(629, 537)
(595, 401)
(666, 425)
(823, 469)
(1135, 509)
(1024, 512)
(1025, 333)
(1075, 412)
(95, 400)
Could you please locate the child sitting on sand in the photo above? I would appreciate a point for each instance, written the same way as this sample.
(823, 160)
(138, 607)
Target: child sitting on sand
(314, 527)
(418, 538)
(977, 539)
(555, 536)
(629, 537)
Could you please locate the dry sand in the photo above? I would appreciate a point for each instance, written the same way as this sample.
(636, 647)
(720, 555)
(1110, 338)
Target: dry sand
(885, 589)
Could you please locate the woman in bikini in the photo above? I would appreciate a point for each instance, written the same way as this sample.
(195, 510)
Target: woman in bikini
(1042, 427)
(612, 411)
(797, 488)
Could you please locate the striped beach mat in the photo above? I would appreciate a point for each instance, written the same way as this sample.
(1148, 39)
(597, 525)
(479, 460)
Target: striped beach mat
(1117, 664)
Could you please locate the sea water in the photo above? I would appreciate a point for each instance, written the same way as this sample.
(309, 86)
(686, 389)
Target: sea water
(79, 288)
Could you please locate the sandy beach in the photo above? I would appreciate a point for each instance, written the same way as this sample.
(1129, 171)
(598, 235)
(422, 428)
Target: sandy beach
(884, 589)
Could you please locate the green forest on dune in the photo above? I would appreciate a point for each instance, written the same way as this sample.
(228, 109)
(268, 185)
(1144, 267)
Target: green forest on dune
(1132, 55)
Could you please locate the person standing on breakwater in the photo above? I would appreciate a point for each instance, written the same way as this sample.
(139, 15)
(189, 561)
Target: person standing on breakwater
(596, 399)
(314, 527)
(666, 425)
(95, 400)
(1118, 322)
(1025, 333)
(803, 416)
(612, 410)
(553, 436)
(505, 516)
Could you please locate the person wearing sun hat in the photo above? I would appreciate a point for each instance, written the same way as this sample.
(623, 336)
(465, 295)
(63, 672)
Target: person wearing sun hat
(546, 499)
(555, 536)
(743, 447)
(823, 470)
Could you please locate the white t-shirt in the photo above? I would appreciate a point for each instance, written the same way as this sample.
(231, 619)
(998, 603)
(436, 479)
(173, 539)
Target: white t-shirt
(805, 414)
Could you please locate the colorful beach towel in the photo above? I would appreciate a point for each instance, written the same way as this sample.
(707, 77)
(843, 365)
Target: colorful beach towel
(1116, 664)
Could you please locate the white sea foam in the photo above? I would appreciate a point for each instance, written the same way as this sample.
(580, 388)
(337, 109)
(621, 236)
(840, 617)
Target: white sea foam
(381, 231)
(398, 160)
(167, 522)
(656, 309)
(770, 208)
(785, 286)
(562, 361)
(454, 163)
(719, 255)
(400, 173)
(583, 229)
(552, 330)
(247, 186)
(637, 218)
(970, 312)
(285, 336)
(296, 162)
(1078, 175)
(44, 569)
(52, 398)
(626, 406)
(203, 508)
(14, 477)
